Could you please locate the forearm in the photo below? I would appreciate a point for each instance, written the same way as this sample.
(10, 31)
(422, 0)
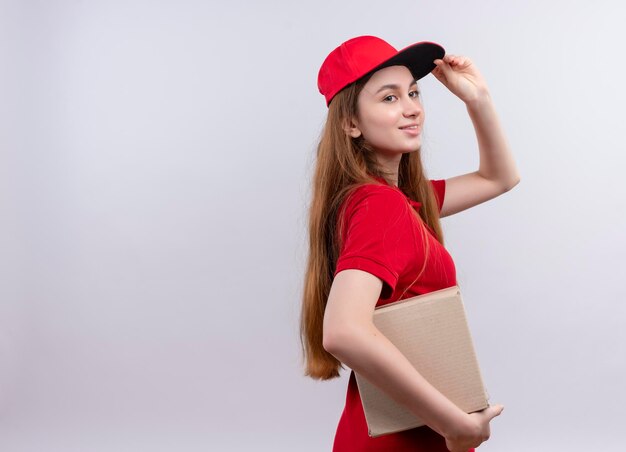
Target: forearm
(368, 352)
(496, 159)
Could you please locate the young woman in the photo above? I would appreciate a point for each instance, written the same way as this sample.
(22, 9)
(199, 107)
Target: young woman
(375, 235)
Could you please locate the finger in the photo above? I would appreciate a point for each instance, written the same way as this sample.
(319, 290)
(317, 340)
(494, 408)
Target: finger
(437, 71)
(464, 61)
(494, 411)
(456, 60)
(451, 59)
(444, 67)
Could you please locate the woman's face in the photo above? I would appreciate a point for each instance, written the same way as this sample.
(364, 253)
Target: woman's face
(389, 112)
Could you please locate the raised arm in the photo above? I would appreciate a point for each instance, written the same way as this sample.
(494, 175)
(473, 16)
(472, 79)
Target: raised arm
(351, 336)
(497, 172)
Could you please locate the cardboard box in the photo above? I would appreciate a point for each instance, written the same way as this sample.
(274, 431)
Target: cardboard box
(431, 330)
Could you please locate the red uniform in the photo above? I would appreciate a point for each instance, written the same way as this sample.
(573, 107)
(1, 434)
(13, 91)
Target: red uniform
(382, 237)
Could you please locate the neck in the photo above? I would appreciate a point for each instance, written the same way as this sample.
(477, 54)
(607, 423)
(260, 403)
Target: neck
(390, 164)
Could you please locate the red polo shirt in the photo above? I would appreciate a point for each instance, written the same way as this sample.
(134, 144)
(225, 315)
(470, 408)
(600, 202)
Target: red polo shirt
(381, 236)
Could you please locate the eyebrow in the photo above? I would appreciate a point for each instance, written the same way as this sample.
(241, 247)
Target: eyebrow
(393, 86)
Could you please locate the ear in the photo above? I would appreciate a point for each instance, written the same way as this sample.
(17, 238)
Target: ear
(351, 128)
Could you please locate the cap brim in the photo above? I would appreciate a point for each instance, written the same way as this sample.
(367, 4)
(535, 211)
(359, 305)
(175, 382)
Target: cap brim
(418, 58)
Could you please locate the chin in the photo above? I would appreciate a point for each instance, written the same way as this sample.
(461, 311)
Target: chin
(411, 147)
(389, 152)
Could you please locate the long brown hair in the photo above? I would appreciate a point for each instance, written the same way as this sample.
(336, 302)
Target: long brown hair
(343, 164)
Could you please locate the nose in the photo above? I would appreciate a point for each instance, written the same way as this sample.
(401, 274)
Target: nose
(412, 108)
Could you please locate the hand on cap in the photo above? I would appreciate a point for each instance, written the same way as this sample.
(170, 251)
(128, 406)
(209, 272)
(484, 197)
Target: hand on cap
(461, 77)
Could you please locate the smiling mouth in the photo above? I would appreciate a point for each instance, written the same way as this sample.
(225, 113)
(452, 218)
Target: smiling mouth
(412, 129)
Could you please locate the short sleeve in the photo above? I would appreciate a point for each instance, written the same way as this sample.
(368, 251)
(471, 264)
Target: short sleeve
(378, 235)
(439, 187)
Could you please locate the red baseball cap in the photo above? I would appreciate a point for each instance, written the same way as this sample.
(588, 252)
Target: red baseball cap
(364, 54)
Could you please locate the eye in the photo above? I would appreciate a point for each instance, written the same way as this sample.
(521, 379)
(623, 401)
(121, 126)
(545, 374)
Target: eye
(388, 98)
(414, 93)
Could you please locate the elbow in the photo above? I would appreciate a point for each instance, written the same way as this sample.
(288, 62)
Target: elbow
(332, 340)
(338, 341)
(511, 183)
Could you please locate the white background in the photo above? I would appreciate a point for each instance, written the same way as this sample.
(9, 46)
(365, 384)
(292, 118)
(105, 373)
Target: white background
(155, 165)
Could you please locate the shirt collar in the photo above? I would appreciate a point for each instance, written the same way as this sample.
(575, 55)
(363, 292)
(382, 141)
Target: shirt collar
(415, 204)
